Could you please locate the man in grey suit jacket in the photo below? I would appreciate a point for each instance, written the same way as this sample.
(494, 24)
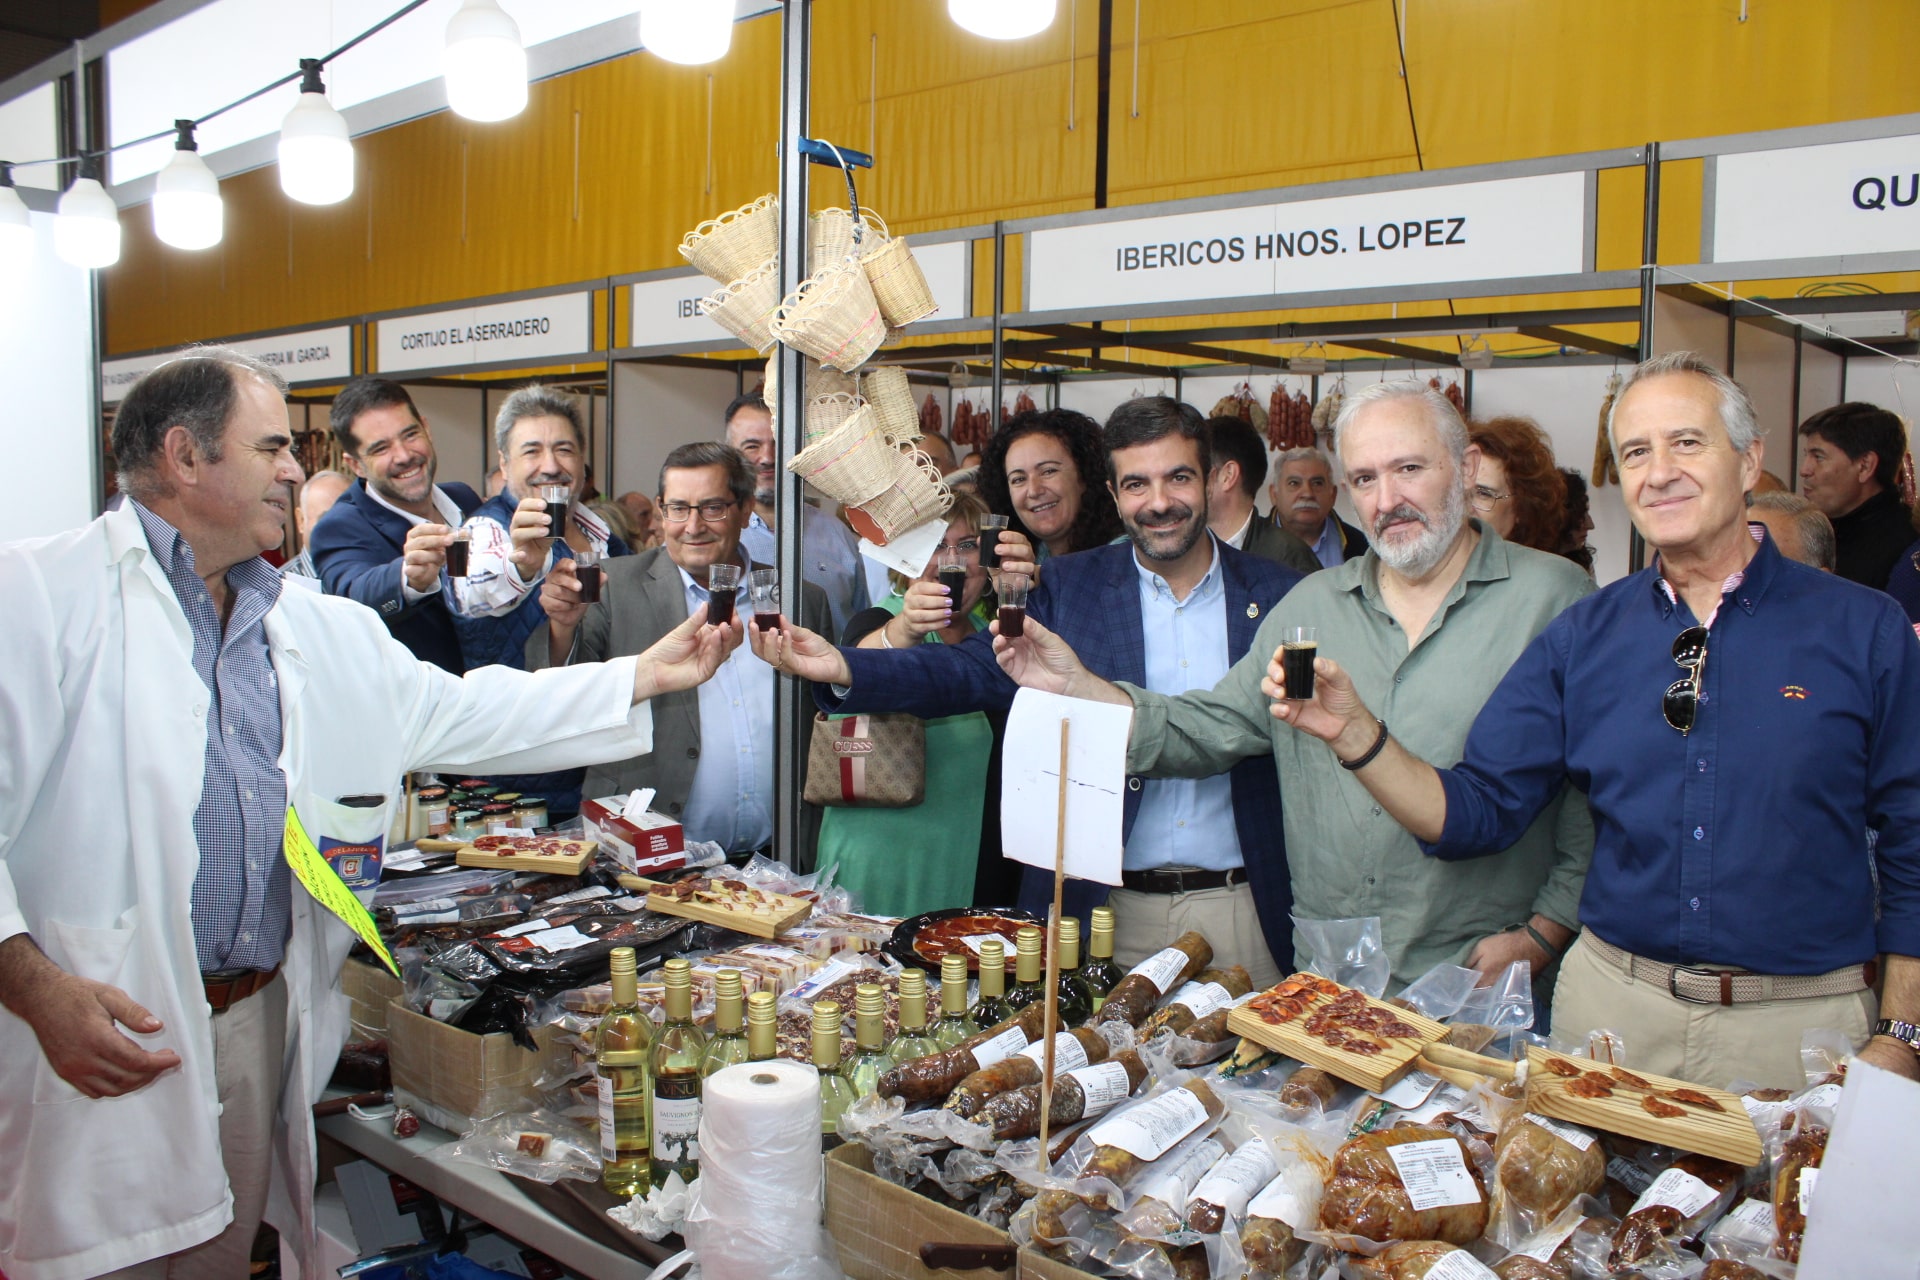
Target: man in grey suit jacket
(712, 760)
(1239, 469)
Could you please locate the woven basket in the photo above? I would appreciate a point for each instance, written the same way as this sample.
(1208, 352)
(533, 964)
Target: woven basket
(832, 317)
(917, 495)
(887, 391)
(822, 381)
(852, 463)
(830, 236)
(899, 285)
(735, 243)
(745, 307)
(826, 413)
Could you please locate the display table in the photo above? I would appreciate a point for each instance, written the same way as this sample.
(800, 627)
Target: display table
(494, 1198)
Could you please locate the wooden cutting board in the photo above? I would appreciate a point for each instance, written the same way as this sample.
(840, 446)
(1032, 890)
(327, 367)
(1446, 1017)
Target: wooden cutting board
(764, 917)
(557, 857)
(1726, 1134)
(1370, 1071)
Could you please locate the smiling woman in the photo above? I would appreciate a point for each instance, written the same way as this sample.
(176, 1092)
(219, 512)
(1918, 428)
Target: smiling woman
(1044, 470)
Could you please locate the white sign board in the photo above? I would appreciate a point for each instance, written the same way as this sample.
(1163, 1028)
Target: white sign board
(666, 312)
(1817, 202)
(1096, 778)
(1861, 1223)
(532, 329)
(305, 357)
(1501, 229)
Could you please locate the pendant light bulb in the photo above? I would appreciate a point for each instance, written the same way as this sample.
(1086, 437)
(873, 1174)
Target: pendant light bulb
(16, 226)
(1003, 19)
(486, 65)
(187, 209)
(316, 150)
(86, 230)
(690, 32)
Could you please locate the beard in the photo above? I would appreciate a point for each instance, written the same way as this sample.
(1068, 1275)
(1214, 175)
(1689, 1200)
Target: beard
(1417, 556)
(1182, 522)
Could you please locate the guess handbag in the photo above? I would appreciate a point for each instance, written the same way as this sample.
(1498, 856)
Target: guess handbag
(867, 762)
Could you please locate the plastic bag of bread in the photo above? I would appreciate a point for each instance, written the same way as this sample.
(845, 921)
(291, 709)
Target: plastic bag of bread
(1678, 1205)
(1411, 1182)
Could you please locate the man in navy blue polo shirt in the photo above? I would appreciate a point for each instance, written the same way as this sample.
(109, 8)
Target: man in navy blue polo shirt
(1737, 721)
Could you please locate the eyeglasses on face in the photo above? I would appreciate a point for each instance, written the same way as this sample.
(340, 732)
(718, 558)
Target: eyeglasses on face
(1682, 701)
(965, 547)
(712, 511)
(1485, 499)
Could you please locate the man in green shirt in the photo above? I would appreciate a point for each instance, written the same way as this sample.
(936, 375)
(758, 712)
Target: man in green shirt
(1427, 623)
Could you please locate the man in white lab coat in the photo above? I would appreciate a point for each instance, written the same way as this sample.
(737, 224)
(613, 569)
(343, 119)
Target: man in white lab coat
(171, 1003)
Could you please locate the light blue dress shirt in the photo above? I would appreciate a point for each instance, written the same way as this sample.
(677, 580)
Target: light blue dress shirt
(731, 800)
(1328, 547)
(830, 560)
(1185, 822)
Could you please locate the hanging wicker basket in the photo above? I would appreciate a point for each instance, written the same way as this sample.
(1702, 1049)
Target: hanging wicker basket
(899, 286)
(832, 317)
(887, 391)
(851, 464)
(822, 381)
(734, 244)
(916, 495)
(826, 414)
(832, 238)
(746, 307)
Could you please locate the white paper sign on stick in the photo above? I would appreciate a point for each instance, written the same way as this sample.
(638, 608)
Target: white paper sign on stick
(1861, 1222)
(908, 552)
(1096, 783)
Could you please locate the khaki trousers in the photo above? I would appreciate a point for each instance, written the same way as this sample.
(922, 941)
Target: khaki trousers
(1144, 923)
(1706, 1044)
(249, 1044)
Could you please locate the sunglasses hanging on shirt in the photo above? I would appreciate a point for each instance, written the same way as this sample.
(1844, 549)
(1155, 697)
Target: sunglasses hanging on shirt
(1682, 700)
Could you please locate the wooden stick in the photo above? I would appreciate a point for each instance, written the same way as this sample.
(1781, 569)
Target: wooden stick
(1447, 1055)
(1050, 1020)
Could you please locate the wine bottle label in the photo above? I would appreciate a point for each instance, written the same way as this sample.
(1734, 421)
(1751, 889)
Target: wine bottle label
(676, 1121)
(609, 1146)
(1068, 1053)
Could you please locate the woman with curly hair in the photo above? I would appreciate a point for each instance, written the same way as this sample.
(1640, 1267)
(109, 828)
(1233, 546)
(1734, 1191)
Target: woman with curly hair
(1517, 490)
(1046, 470)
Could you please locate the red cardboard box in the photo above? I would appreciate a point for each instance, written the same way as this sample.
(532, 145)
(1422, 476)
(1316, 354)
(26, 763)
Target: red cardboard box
(653, 842)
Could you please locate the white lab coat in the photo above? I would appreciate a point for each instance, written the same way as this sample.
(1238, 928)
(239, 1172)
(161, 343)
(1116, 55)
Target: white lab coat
(102, 737)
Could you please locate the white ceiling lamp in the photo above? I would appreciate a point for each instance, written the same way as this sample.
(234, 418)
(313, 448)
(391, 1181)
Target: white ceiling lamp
(187, 209)
(486, 65)
(1003, 19)
(16, 224)
(689, 32)
(86, 232)
(316, 151)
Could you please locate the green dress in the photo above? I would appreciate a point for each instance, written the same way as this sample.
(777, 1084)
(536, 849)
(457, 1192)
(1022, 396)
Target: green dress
(900, 862)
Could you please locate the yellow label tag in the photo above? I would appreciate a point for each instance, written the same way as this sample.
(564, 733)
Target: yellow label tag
(326, 887)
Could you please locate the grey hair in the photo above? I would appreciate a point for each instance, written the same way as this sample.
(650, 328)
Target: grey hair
(1736, 409)
(1816, 531)
(1305, 453)
(711, 453)
(536, 402)
(1441, 415)
(196, 389)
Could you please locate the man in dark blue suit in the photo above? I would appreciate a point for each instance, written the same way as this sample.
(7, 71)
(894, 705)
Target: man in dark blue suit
(1172, 608)
(384, 543)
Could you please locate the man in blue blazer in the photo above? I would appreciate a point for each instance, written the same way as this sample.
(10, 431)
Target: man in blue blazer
(1173, 607)
(384, 543)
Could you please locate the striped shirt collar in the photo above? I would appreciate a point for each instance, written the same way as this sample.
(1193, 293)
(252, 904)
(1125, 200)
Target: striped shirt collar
(175, 554)
(1727, 588)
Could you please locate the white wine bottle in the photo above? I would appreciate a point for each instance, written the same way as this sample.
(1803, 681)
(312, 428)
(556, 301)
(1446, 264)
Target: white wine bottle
(762, 1024)
(677, 1052)
(622, 1049)
(1100, 971)
(953, 1026)
(870, 1060)
(836, 1095)
(1029, 969)
(729, 1043)
(914, 1040)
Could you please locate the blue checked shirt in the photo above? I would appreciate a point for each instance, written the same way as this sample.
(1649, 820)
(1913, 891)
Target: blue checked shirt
(243, 892)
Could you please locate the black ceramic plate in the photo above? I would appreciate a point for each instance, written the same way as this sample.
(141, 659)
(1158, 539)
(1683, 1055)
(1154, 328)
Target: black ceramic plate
(900, 945)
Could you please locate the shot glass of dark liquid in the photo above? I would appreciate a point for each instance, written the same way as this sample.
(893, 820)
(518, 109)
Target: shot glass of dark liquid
(723, 586)
(1298, 648)
(457, 554)
(990, 527)
(950, 571)
(1013, 605)
(558, 498)
(586, 567)
(764, 587)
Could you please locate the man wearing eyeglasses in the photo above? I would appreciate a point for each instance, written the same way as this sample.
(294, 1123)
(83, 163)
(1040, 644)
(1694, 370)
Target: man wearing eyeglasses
(712, 760)
(1737, 720)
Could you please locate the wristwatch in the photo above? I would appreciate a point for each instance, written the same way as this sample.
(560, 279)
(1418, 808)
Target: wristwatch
(1905, 1032)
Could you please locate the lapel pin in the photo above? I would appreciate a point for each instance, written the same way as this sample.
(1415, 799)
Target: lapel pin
(1253, 609)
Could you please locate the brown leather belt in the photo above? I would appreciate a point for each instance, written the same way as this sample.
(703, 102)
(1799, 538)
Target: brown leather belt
(1722, 986)
(224, 991)
(1181, 879)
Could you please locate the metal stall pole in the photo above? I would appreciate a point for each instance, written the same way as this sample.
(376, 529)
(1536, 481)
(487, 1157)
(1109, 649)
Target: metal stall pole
(1649, 254)
(999, 312)
(790, 713)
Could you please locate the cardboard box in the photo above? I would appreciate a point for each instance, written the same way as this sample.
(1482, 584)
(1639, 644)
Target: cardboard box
(370, 989)
(650, 843)
(879, 1227)
(452, 1077)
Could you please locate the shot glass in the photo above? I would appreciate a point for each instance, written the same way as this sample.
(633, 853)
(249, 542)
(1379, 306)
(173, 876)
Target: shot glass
(587, 568)
(1013, 605)
(457, 550)
(558, 498)
(1298, 648)
(950, 571)
(723, 587)
(764, 587)
(990, 527)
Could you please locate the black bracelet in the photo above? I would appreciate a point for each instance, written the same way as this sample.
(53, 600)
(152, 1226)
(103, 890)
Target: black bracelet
(1553, 953)
(1372, 751)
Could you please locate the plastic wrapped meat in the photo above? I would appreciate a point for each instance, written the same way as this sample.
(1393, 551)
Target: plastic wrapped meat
(1413, 1260)
(1431, 1191)
(1675, 1206)
(1541, 1167)
(1804, 1150)
(1518, 1266)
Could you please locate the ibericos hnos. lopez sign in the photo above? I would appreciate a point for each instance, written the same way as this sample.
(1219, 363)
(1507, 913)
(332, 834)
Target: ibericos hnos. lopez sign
(1495, 230)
